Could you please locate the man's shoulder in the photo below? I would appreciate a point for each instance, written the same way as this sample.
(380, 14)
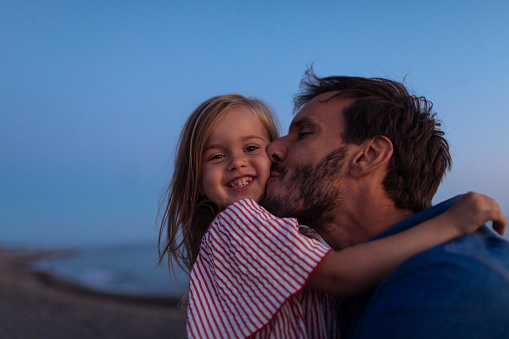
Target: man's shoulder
(481, 250)
(459, 287)
(455, 290)
(476, 255)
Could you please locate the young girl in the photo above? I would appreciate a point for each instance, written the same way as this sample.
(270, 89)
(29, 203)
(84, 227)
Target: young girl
(249, 268)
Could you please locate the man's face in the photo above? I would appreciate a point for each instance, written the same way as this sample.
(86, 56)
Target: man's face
(307, 167)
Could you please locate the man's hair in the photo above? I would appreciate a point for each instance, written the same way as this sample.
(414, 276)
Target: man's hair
(384, 107)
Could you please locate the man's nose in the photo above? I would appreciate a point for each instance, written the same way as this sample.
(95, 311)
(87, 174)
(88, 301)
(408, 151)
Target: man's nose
(276, 150)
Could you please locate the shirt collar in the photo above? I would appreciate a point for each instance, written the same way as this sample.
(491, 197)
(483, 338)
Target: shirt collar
(418, 218)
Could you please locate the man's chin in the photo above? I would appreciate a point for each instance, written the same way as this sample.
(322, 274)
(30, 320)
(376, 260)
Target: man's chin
(276, 205)
(269, 204)
(269, 190)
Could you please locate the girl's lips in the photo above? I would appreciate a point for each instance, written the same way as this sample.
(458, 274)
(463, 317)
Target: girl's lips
(242, 188)
(241, 182)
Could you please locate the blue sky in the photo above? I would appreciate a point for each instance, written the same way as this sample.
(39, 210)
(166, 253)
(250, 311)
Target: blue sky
(93, 94)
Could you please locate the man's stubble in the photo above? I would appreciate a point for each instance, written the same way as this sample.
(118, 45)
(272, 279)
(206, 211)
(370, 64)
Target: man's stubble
(312, 193)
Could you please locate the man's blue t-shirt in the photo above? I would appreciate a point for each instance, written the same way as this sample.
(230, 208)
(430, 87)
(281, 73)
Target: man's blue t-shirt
(457, 290)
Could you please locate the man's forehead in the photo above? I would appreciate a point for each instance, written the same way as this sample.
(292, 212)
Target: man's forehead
(326, 105)
(327, 96)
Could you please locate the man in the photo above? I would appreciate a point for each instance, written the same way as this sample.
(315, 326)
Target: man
(362, 160)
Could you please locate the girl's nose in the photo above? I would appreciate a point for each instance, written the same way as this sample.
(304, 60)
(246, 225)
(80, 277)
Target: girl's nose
(238, 161)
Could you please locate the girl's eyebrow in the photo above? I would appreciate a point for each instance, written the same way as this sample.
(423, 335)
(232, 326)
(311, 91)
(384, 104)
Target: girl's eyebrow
(244, 138)
(252, 136)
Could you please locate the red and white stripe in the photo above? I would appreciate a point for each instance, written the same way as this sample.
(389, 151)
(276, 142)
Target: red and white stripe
(249, 277)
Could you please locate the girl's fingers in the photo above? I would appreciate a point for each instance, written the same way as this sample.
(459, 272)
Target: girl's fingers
(499, 223)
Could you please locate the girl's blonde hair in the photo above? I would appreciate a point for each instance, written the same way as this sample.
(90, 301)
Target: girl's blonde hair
(188, 214)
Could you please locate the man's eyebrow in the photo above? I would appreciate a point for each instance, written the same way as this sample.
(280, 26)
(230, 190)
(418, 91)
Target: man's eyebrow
(302, 121)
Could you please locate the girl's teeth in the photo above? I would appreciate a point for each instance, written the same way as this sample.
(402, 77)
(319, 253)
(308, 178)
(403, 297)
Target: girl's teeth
(240, 182)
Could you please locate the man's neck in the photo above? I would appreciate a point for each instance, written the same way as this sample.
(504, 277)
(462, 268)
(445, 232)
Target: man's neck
(358, 222)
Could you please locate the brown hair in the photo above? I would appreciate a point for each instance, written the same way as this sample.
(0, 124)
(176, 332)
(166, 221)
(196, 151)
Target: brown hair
(384, 107)
(188, 214)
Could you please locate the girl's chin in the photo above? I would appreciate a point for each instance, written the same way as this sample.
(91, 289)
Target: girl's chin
(255, 197)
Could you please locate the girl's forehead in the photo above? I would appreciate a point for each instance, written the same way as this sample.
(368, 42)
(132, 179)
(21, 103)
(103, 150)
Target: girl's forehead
(237, 124)
(240, 116)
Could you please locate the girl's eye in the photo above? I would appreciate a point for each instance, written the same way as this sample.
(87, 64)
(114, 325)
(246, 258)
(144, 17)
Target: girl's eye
(251, 148)
(216, 156)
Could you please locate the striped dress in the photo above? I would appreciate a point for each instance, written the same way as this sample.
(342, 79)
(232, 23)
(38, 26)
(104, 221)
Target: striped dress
(249, 277)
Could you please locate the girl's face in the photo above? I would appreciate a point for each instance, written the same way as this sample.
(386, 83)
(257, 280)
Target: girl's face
(234, 163)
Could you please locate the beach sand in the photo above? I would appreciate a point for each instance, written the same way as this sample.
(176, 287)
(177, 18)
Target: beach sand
(37, 305)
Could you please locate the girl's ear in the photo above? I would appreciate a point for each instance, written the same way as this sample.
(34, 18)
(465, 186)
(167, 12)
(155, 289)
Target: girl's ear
(372, 154)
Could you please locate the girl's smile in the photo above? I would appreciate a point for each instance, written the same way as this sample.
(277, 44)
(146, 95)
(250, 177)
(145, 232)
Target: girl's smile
(241, 183)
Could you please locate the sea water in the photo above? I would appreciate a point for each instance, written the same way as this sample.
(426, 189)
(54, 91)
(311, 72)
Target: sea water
(120, 269)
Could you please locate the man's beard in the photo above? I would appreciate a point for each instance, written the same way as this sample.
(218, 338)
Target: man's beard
(311, 194)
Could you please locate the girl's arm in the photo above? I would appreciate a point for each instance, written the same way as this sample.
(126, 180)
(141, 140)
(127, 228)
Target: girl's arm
(360, 268)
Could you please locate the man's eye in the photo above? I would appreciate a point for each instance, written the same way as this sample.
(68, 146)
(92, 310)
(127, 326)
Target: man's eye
(303, 134)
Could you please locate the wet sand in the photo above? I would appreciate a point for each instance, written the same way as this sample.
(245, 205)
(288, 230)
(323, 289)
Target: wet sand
(38, 305)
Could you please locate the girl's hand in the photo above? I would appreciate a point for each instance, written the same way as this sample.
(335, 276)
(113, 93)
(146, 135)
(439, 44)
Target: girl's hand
(473, 210)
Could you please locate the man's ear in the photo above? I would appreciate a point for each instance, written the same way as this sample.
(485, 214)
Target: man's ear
(372, 154)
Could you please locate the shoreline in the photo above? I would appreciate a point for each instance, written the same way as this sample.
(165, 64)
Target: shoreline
(39, 304)
(55, 281)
